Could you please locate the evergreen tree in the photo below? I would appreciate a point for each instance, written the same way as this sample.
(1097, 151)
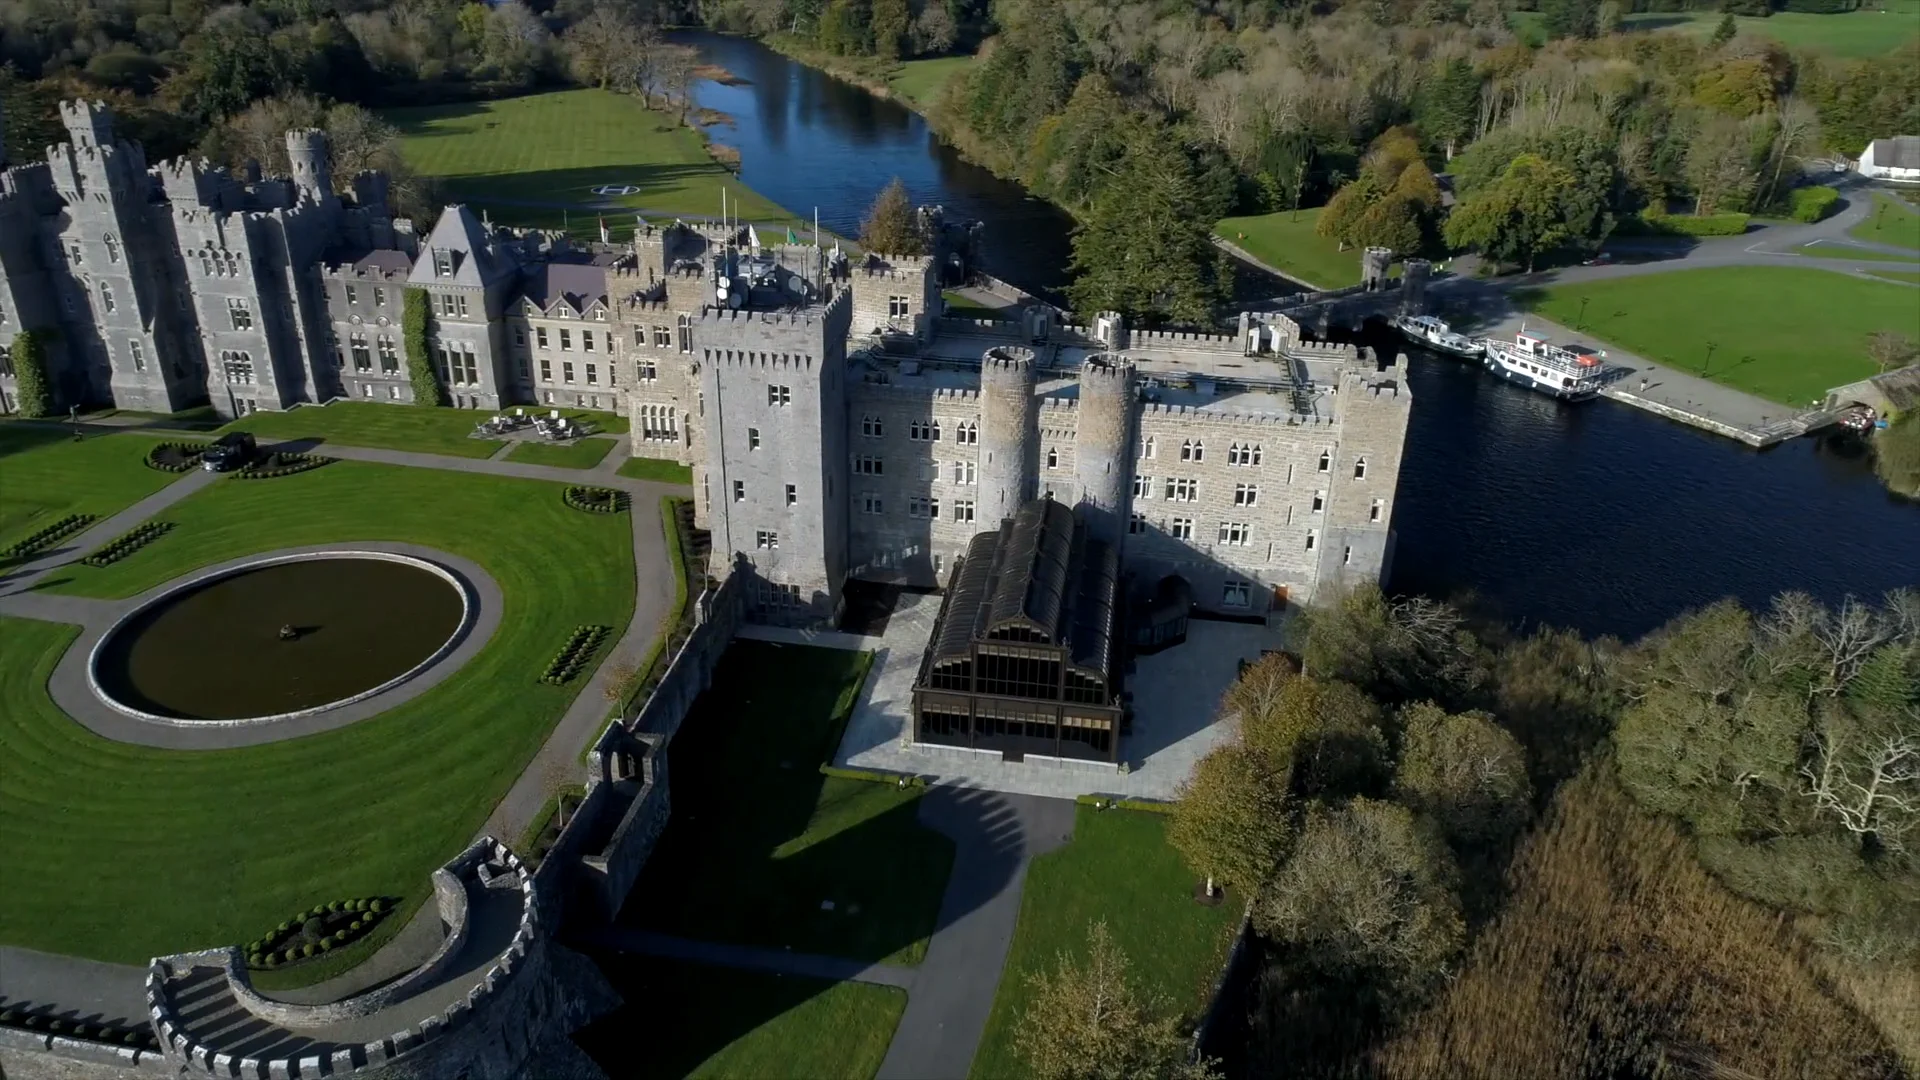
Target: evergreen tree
(890, 228)
(1086, 1021)
(1448, 106)
(1724, 32)
(421, 372)
(890, 21)
(1145, 248)
(33, 391)
(1571, 18)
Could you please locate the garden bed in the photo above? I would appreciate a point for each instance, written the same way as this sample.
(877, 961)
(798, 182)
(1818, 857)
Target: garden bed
(176, 457)
(318, 931)
(128, 542)
(575, 654)
(49, 536)
(595, 500)
(281, 463)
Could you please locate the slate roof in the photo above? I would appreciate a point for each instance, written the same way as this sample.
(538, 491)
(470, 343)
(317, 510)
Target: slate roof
(1899, 152)
(579, 284)
(388, 262)
(1039, 578)
(1901, 386)
(459, 233)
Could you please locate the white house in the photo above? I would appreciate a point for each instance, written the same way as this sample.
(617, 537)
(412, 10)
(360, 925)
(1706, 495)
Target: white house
(1897, 158)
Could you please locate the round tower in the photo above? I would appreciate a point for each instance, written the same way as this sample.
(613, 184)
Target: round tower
(1009, 433)
(1103, 445)
(1413, 286)
(307, 150)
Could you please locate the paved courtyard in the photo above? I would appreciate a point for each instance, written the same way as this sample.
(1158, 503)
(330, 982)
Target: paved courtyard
(1175, 693)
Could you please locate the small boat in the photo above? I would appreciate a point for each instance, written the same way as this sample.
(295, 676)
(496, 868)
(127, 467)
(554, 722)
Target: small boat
(1434, 334)
(1571, 372)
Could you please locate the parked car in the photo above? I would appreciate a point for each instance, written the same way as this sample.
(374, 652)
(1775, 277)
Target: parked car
(231, 451)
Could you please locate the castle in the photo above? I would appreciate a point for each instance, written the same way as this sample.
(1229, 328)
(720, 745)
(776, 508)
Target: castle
(838, 425)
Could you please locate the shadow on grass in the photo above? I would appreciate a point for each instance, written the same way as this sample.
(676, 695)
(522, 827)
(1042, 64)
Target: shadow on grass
(566, 188)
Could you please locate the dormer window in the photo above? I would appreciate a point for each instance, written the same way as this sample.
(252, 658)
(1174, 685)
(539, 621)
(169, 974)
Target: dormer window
(113, 249)
(442, 262)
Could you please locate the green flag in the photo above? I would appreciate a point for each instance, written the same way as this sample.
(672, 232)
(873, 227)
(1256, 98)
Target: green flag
(791, 239)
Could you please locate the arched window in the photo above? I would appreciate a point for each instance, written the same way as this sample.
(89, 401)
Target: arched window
(1360, 468)
(1326, 461)
(113, 249)
(106, 297)
(1053, 458)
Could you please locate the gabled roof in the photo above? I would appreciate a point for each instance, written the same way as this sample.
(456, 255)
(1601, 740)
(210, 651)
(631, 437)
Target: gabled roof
(1899, 152)
(578, 285)
(459, 234)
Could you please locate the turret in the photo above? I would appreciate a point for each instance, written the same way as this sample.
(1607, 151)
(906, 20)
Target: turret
(1413, 287)
(89, 124)
(1009, 433)
(1103, 445)
(312, 175)
(1374, 264)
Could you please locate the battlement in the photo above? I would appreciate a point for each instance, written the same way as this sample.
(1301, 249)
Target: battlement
(88, 123)
(1109, 370)
(1164, 339)
(1188, 413)
(1323, 350)
(1011, 359)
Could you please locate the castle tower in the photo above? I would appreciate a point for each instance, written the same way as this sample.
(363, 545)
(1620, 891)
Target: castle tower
(1009, 433)
(1413, 287)
(1103, 445)
(312, 175)
(1374, 264)
(89, 124)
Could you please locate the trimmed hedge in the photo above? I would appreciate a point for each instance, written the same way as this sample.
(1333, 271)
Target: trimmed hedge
(317, 931)
(594, 500)
(1810, 204)
(1114, 802)
(1646, 224)
(281, 464)
(176, 457)
(421, 372)
(33, 393)
(875, 776)
(44, 1022)
(49, 536)
(127, 543)
(573, 656)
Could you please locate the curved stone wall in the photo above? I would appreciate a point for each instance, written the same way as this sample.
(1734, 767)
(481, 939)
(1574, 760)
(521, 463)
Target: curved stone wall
(207, 577)
(409, 1042)
(1009, 435)
(1103, 444)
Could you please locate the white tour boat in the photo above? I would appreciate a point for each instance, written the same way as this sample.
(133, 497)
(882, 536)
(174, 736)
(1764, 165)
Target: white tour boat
(1572, 372)
(1434, 334)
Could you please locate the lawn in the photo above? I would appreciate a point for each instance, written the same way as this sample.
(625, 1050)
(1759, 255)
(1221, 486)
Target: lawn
(762, 849)
(1286, 241)
(713, 1022)
(40, 467)
(401, 427)
(583, 454)
(1120, 869)
(1853, 34)
(1895, 275)
(960, 306)
(1892, 221)
(659, 469)
(551, 150)
(920, 81)
(1783, 333)
(122, 852)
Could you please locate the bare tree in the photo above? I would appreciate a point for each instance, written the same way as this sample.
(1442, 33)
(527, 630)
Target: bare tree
(1888, 349)
(1869, 782)
(1800, 631)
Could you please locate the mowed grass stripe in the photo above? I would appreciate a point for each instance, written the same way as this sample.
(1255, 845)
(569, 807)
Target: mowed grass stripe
(42, 470)
(135, 852)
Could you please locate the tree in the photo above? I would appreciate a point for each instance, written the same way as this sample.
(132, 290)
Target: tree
(1796, 134)
(1257, 691)
(421, 371)
(1086, 1021)
(1610, 17)
(606, 48)
(1889, 349)
(1393, 223)
(890, 227)
(1448, 104)
(1519, 216)
(933, 30)
(1869, 780)
(1231, 820)
(1323, 738)
(33, 390)
(1397, 651)
(1896, 454)
(890, 23)
(1465, 772)
(1340, 220)
(1570, 18)
(1719, 165)
(1723, 32)
(1367, 895)
(1145, 247)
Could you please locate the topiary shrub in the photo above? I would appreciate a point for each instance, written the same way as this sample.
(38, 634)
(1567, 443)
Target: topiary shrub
(1810, 204)
(377, 906)
(48, 536)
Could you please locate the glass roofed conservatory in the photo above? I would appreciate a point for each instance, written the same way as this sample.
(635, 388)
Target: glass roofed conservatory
(1022, 658)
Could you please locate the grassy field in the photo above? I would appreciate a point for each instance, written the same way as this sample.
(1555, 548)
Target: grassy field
(1896, 275)
(760, 843)
(1120, 869)
(961, 307)
(1286, 241)
(584, 454)
(660, 469)
(1785, 334)
(709, 1022)
(1892, 221)
(163, 850)
(555, 148)
(41, 471)
(920, 81)
(1860, 33)
(401, 427)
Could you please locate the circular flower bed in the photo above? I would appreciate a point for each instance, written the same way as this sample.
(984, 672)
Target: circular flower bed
(595, 500)
(175, 457)
(281, 464)
(318, 931)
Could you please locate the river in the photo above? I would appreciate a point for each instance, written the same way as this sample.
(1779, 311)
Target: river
(1595, 516)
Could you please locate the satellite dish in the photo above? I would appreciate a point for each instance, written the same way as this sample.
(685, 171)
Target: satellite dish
(796, 284)
(735, 300)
